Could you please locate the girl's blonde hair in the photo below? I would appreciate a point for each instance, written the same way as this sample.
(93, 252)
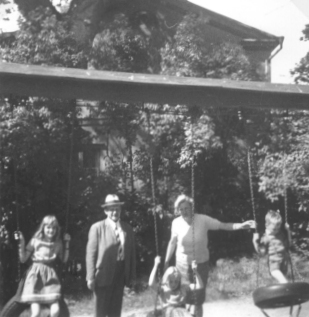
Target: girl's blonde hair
(171, 271)
(48, 220)
(273, 216)
(179, 200)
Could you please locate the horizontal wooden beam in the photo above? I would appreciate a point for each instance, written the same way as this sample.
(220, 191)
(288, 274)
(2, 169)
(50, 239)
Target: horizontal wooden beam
(69, 83)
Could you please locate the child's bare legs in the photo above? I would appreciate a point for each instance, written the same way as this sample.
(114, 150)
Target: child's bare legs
(54, 309)
(35, 310)
(278, 276)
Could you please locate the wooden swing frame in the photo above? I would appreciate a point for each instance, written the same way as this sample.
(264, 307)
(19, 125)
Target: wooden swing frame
(69, 83)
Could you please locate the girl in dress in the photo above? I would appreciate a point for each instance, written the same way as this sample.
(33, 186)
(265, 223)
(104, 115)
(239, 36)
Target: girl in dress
(174, 296)
(42, 284)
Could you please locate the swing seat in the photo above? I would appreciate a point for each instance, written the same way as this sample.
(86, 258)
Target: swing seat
(14, 308)
(281, 295)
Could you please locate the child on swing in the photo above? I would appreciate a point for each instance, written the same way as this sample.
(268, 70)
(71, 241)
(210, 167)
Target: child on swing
(42, 284)
(275, 243)
(173, 295)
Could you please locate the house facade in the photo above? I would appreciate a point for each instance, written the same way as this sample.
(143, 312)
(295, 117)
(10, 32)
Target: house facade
(88, 16)
(259, 46)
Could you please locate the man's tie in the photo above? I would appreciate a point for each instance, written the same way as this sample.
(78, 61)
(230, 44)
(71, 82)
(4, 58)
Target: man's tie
(120, 248)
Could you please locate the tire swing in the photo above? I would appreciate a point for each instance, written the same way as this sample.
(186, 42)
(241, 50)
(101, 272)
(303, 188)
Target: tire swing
(278, 295)
(14, 307)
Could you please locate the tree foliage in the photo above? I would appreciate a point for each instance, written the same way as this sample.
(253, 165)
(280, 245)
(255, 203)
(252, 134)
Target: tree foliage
(122, 47)
(301, 70)
(43, 40)
(192, 56)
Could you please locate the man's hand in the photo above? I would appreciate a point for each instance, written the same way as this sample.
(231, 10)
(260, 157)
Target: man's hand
(90, 285)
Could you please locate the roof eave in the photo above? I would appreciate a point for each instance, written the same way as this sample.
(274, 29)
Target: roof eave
(223, 22)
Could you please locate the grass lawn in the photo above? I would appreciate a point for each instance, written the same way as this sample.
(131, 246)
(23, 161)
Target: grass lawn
(230, 278)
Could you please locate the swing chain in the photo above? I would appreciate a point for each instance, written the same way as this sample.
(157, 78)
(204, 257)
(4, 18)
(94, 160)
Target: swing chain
(292, 263)
(154, 205)
(153, 194)
(249, 154)
(154, 217)
(249, 157)
(17, 216)
(69, 177)
(193, 207)
(285, 193)
(193, 200)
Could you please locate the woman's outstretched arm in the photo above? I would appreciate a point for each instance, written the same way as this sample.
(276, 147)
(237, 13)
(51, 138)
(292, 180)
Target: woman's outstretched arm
(249, 224)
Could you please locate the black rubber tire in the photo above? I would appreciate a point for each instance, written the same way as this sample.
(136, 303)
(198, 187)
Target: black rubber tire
(14, 308)
(281, 295)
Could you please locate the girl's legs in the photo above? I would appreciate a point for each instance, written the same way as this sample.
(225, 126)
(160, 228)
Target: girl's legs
(278, 276)
(54, 309)
(35, 310)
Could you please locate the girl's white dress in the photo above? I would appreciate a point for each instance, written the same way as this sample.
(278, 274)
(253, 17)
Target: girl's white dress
(42, 284)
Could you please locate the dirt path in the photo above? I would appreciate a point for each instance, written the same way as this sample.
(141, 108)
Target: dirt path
(242, 307)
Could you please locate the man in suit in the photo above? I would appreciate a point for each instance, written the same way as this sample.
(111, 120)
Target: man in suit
(110, 259)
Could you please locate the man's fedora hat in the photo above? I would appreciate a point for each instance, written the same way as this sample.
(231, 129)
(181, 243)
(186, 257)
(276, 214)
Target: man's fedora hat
(112, 200)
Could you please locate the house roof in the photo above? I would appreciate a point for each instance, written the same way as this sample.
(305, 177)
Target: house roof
(69, 83)
(248, 34)
(249, 37)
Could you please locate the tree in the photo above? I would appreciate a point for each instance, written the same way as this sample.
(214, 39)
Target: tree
(301, 70)
(192, 56)
(44, 40)
(215, 132)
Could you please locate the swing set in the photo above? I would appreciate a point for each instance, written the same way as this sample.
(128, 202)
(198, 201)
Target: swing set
(62, 83)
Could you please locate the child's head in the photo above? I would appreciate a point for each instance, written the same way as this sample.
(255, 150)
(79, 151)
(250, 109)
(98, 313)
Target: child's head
(49, 228)
(273, 221)
(172, 278)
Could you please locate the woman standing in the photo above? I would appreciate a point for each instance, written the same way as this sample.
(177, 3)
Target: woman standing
(190, 240)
